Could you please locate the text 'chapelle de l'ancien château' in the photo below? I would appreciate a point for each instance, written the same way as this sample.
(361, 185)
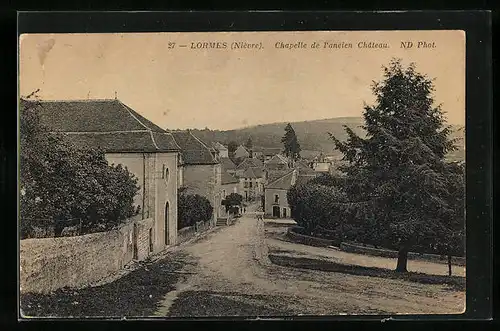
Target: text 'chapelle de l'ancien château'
(331, 45)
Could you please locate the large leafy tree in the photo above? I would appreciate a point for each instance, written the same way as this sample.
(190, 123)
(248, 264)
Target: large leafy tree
(59, 181)
(396, 176)
(290, 143)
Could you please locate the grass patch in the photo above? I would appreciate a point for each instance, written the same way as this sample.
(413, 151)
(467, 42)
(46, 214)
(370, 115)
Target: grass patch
(209, 304)
(455, 282)
(136, 294)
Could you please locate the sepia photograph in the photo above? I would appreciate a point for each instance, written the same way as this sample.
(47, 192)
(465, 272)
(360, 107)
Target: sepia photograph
(241, 174)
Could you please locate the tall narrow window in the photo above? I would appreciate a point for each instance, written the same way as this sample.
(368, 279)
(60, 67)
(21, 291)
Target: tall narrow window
(165, 174)
(150, 240)
(276, 198)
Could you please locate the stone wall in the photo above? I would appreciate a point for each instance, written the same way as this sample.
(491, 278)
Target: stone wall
(185, 234)
(51, 263)
(190, 232)
(293, 234)
(382, 252)
(144, 238)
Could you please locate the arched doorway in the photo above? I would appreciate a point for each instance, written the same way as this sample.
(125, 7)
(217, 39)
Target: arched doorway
(167, 241)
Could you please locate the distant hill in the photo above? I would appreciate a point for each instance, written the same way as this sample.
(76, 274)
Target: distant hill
(312, 135)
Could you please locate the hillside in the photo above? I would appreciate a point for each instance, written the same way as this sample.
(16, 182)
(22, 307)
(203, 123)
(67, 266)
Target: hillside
(312, 135)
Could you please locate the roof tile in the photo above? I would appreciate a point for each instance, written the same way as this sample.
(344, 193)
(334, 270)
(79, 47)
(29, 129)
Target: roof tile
(282, 183)
(106, 124)
(193, 150)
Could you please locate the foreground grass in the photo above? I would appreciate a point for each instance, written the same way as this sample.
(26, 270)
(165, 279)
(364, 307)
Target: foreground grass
(212, 304)
(136, 294)
(454, 282)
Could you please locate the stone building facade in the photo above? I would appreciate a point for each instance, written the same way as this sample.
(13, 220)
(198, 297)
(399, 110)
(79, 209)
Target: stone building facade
(275, 196)
(200, 169)
(129, 139)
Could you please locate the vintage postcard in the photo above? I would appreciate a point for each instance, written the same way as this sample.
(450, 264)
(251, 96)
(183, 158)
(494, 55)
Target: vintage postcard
(242, 174)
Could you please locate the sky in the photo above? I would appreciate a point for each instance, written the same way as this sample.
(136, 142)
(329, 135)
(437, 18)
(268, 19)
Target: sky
(224, 88)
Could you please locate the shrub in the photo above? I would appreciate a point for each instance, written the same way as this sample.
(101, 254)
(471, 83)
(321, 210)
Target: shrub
(314, 206)
(59, 181)
(232, 202)
(192, 208)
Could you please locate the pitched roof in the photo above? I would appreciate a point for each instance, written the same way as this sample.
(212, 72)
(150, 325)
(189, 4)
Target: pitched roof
(250, 162)
(241, 149)
(258, 171)
(283, 182)
(227, 178)
(272, 175)
(193, 150)
(271, 151)
(218, 146)
(227, 164)
(92, 116)
(277, 159)
(304, 169)
(253, 172)
(106, 124)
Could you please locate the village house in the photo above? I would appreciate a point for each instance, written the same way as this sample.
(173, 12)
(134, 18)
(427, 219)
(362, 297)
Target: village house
(228, 165)
(258, 155)
(275, 191)
(277, 162)
(321, 164)
(305, 170)
(200, 169)
(248, 163)
(252, 182)
(229, 184)
(222, 150)
(275, 195)
(242, 152)
(269, 153)
(129, 139)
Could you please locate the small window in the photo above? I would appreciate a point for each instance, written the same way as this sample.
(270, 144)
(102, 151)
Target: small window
(223, 193)
(250, 184)
(276, 198)
(165, 173)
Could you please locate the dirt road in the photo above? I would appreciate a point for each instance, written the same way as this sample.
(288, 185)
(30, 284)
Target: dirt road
(232, 276)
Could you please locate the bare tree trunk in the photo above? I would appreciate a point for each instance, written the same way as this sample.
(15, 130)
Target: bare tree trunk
(449, 265)
(402, 260)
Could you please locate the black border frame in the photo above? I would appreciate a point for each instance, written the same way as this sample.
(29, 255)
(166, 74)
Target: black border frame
(476, 24)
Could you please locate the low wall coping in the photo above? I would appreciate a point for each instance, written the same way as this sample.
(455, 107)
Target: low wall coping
(351, 247)
(313, 241)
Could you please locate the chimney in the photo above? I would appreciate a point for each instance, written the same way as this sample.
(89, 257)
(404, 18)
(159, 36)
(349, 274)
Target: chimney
(116, 96)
